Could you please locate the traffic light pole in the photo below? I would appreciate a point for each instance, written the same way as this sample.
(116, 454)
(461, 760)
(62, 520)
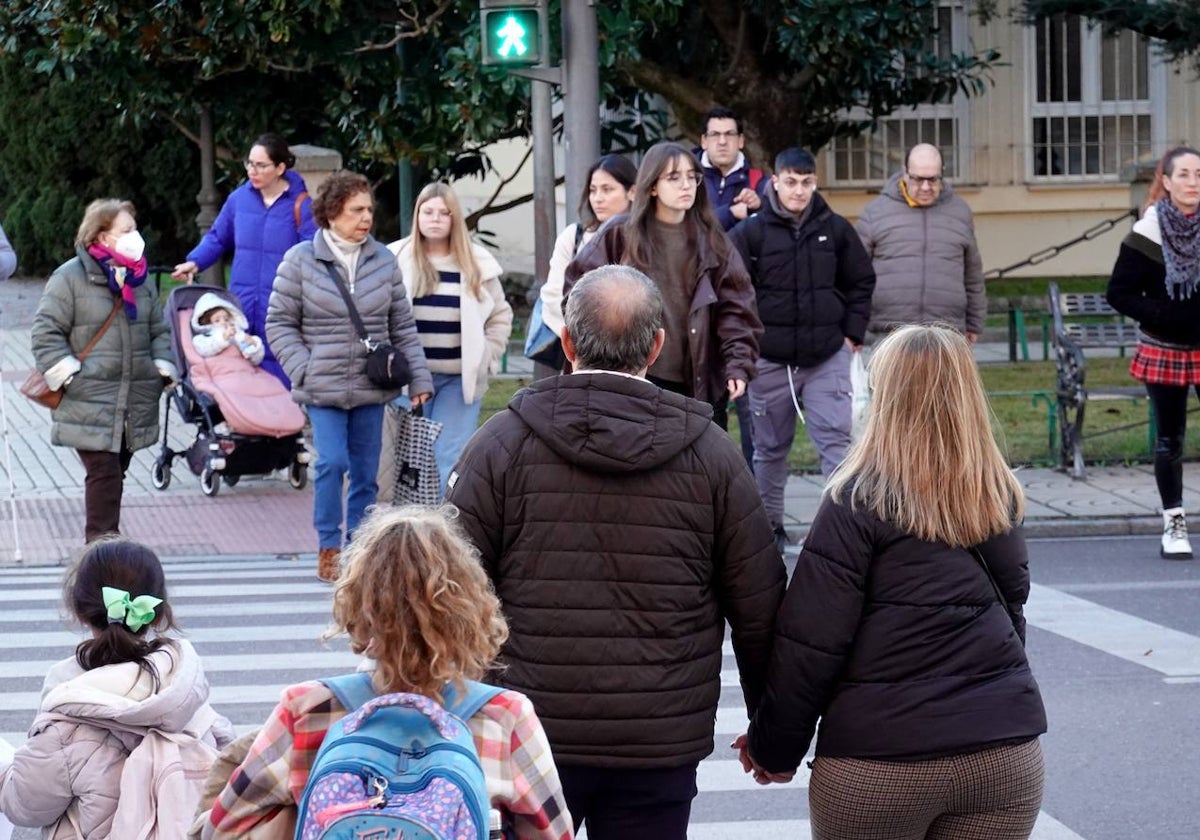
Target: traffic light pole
(581, 96)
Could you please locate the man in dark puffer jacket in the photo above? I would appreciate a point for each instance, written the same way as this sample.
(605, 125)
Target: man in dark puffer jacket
(622, 529)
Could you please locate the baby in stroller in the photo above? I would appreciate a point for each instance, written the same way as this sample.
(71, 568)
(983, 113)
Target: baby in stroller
(217, 323)
(247, 422)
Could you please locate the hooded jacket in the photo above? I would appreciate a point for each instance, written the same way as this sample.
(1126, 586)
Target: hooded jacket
(114, 393)
(621, 529)
(309, 326)
(812, 280)
(927, 263)
(723, 326)
(258, 236)
(208, 341)
(70, 770)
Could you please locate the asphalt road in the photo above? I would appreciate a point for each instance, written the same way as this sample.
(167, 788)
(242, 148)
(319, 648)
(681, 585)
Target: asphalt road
(1114, 640)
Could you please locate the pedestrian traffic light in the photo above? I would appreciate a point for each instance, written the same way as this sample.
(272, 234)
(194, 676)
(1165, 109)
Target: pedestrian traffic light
(512, 32)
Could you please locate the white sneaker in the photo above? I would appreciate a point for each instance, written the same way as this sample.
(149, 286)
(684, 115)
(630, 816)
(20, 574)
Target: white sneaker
(1175, 544)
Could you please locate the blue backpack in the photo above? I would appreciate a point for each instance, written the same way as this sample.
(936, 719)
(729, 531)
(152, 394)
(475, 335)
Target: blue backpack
(399, 765)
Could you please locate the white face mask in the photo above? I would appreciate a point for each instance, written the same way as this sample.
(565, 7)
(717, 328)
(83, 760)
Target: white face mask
(130, 245)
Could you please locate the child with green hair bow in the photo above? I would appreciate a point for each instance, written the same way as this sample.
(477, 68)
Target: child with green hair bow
(127, 679)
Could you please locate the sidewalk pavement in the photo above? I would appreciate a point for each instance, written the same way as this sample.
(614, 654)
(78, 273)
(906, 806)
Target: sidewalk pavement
(43, 492)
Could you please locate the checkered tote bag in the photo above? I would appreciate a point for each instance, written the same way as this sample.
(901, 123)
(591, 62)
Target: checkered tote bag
(417, 481)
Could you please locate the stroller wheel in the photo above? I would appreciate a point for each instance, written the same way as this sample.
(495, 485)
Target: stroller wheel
(298, 475)
(160, 475)
(210, 481)
(231, 480)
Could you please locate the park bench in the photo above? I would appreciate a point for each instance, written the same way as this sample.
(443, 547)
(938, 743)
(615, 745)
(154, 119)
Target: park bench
(1084, 321)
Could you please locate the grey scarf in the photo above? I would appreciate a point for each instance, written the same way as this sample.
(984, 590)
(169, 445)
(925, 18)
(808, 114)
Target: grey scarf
(1181, 249)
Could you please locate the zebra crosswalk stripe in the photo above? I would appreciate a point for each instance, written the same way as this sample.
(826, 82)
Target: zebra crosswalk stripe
(249, 664)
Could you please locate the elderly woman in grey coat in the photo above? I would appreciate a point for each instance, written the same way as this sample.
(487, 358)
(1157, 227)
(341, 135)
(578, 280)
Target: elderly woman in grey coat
(109, 408)
(314, 338)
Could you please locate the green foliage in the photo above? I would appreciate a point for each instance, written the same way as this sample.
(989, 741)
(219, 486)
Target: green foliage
(62, 147)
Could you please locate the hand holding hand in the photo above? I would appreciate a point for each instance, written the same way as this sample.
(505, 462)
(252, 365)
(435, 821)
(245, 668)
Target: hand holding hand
(749, 765)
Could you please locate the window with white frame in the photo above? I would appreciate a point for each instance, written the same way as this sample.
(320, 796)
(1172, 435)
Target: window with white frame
(868, 159)
(1092, 102)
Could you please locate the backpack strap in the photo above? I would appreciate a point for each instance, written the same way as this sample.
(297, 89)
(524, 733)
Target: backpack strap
(578, 239)
(476, 696)
(296, 208)
(351, 690)
(753, 176)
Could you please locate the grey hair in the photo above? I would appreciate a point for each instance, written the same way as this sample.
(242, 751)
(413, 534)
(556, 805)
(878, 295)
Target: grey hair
(613, 314)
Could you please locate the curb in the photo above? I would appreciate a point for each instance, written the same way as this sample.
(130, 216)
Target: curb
(1108, 526)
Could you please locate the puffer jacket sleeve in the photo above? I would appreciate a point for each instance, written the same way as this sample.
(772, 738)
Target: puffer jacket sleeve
(52, 324)
(855, 280)
(750, 575)
(8, 258)
(402, 333)
(814, 634)
(973, 280)
(37, 790)
(1008, 560)
(284, 311)
(218, 240)
(865, 228)
(476, 488)
(736, 315)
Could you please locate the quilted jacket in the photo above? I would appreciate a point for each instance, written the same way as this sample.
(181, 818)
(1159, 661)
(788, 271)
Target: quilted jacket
(309, 327)
(927, 263)
(116, 392)
(900, 646)
(622, 529)
(70, 770)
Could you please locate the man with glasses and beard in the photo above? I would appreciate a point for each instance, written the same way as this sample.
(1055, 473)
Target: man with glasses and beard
(921, 237)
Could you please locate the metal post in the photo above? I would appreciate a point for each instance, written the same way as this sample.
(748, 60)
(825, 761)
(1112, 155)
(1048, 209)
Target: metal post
(581, 96)
(543, 177)
(208, 197)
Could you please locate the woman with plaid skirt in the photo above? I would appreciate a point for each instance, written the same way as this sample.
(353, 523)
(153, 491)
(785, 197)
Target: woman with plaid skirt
(1155, 282)
(902, 629)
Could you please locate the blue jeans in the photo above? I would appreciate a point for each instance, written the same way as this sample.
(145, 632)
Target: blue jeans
(347, 441)
(458, 420)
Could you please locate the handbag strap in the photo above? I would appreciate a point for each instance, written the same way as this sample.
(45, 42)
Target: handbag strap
(359, 327)
(978, 555)
(111, 316)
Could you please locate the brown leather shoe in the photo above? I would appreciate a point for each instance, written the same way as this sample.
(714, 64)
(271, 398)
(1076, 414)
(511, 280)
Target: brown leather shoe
(329, 564)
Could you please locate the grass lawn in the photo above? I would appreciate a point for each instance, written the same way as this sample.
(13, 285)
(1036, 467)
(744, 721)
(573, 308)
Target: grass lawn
(1020, 415)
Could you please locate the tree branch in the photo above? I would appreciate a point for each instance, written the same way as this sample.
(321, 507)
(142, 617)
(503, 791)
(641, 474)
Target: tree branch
(416, 29)
(473, 218)
(676, 88)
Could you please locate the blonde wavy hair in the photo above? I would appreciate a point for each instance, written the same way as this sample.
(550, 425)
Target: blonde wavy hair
(426, 280)
(414, 597)
(928, 461)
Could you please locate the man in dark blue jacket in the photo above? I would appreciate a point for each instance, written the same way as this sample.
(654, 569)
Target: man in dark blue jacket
(732, 185)
(813, 282)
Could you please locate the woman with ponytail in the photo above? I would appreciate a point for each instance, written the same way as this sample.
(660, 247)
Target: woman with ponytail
(126, 679)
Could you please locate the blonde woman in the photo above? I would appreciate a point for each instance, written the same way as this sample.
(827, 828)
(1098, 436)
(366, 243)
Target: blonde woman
(413, 596)
(902, 628)
(463, 320)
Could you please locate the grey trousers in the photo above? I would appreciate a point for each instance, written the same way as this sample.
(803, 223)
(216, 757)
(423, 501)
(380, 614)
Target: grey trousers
(825, 392)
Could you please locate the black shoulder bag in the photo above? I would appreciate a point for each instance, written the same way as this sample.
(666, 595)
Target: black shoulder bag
(387, 367)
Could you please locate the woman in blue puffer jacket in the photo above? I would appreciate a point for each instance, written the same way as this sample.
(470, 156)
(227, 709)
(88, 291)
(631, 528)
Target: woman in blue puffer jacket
(260, 220)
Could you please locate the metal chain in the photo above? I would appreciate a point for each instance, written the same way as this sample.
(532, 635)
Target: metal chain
(1054, 250)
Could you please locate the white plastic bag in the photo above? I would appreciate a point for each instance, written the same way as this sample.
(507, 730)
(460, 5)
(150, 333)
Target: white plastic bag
(860, 393)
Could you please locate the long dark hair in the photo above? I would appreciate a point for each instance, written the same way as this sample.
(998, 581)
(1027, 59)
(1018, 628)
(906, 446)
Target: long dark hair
(121, 564)
(642, 250)
(623, 172)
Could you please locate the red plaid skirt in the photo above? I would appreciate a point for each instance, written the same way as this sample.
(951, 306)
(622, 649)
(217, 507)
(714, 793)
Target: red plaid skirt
(1165, 365)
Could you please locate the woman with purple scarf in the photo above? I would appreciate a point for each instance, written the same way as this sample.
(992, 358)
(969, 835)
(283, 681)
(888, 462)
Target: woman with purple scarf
(109, 408)
(1155, 282)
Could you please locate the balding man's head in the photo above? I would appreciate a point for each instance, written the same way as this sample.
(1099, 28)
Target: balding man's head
(923, 174)
(613, 316)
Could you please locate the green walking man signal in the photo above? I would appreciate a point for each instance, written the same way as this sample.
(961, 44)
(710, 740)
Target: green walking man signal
(511, 33)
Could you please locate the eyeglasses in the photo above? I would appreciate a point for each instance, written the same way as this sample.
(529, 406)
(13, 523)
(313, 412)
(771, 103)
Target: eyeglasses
(932, 180)
(722, 135)
(258, 167)
(675, 178)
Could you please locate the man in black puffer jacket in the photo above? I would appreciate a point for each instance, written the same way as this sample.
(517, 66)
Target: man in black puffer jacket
(813, 282)
(622, 529)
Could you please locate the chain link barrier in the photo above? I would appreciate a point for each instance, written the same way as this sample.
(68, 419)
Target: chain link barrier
(1054, 250)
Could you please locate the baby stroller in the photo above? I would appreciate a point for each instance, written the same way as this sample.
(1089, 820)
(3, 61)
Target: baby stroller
(246, 422)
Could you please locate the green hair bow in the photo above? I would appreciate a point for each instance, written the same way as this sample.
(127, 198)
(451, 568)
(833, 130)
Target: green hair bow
(134, 613)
